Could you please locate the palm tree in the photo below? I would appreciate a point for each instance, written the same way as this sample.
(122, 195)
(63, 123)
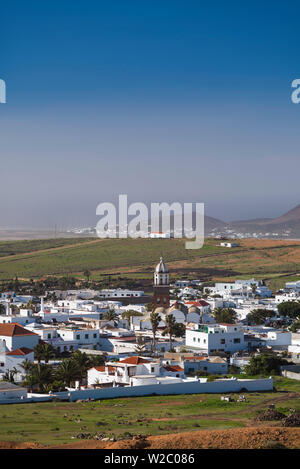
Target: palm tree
(38, 352)
(31, 305)
(110, 315)
(41, 375)
(68, 371)
(82, 361)
(170, 328)
(30, 382)
(27, 366)
(10, 375)
(44, 352)
(155, 320)
(48, 352)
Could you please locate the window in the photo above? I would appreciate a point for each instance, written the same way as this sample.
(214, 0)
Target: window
(222, 341)
(95, 336)
(236, 341)
(49, 336)
(77, 336)
(86, 336)
(152, 369)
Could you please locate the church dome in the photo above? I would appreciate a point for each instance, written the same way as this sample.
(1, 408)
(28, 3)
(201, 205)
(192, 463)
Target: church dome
(161, 267)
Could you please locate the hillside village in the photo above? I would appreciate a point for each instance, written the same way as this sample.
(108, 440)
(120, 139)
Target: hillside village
(187, 338)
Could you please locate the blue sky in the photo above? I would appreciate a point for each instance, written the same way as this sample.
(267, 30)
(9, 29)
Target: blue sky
(161, 100)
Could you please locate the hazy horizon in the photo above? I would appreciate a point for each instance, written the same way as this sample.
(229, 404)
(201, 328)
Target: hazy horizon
(168, 101)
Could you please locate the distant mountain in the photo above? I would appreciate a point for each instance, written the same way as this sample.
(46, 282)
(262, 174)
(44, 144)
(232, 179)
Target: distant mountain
(286, 225)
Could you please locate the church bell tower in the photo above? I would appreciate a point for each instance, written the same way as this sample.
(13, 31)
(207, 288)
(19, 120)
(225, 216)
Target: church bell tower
(161, 287)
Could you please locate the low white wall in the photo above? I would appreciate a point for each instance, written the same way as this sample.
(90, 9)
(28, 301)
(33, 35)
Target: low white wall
(216, 387)
(290, 374)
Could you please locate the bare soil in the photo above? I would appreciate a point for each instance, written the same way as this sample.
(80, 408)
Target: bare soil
(242, 438)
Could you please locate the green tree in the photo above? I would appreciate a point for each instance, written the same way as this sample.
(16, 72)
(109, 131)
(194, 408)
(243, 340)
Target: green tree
(38, 352)
(27, 366)
(68, 371)
(225, 315)
(289, 308)
(9, 375)
(128, 314)
(155, 320)
(110, 315)
(149, 307)
(173, 329)
(295, 327)
(82, 361)
(266, 363)
(44, 352)
(41, 375)
(259, 316)
(48, 352)
(97, 360)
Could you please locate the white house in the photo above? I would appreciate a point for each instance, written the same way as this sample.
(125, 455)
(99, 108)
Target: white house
(13, 336)
(123, 372)
(216, 338)
(14, 359)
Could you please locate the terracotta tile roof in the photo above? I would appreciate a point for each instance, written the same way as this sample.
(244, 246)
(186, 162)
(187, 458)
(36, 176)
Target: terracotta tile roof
(102, 368)
(14, 329)
(20, 351)
(173, 368)
(195, 358)
(197, 303)
(134, 360)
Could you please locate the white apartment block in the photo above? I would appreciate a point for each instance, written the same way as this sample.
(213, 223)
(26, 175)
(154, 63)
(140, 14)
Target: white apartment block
(216, 338)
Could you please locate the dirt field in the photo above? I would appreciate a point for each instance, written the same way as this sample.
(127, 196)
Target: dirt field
(245, 438)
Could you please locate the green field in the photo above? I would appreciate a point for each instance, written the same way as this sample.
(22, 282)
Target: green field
(56, 422)
(273, 261)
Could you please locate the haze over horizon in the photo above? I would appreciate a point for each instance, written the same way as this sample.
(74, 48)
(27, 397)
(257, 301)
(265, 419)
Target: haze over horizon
(168, 101)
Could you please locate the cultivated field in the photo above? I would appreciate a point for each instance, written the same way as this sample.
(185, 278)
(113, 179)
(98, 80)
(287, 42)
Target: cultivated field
(57, 422)
(276, 261)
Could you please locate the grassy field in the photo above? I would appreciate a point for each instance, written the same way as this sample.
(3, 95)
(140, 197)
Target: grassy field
(273, 260)
(56, 422)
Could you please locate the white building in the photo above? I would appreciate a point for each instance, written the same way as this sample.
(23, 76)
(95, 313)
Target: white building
(216, 338)
(13, 360)
(120, 293)
(13, 336)
(131, 371)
